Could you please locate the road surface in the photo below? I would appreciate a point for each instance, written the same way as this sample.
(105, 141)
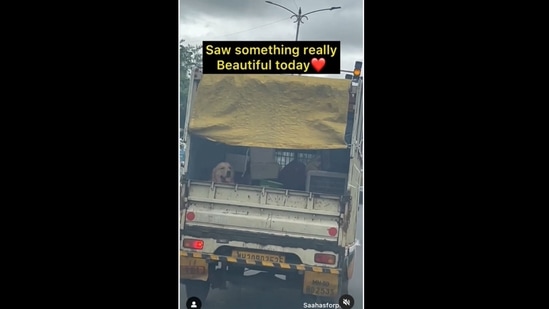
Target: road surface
(234, 298)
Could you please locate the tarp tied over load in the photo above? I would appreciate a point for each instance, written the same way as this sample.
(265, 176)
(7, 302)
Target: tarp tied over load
(271, 111)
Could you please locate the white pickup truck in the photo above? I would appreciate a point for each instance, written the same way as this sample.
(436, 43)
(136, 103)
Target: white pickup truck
(300, 237)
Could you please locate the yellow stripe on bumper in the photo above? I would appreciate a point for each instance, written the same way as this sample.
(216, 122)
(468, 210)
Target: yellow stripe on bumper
(230, 259)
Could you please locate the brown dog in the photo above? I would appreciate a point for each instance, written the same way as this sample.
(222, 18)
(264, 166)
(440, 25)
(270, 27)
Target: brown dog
(223, 173)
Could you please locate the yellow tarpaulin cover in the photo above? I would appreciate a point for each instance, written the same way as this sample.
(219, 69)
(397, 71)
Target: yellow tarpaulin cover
(271, 111)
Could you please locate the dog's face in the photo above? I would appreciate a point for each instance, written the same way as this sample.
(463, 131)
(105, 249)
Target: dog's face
(223, 173)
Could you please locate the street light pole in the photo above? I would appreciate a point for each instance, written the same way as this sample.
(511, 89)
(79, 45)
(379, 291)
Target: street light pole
(298, 21)
(299, 17)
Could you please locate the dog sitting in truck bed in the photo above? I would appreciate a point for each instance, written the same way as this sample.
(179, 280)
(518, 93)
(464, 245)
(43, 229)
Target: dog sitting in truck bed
(223, 173)
(293, 176)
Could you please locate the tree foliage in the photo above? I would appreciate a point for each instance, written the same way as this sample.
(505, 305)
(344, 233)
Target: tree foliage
(190, 56)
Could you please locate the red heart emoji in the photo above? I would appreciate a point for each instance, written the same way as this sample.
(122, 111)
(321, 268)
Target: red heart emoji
(318, 64)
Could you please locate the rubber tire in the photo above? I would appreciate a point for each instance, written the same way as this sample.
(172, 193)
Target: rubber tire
(345, 286)
(199, 289)
(236, 271)
(344, 289)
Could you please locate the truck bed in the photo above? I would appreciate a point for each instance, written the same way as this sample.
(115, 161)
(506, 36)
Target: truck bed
(261, 211)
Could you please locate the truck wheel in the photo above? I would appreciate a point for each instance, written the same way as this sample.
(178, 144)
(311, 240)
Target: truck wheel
(344, 286)
(198, 289)
(235, 273)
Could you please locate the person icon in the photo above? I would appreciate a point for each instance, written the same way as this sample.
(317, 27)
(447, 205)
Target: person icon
(194, 303)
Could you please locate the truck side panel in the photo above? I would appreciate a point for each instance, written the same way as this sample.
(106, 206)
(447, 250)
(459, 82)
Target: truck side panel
(259, 210)
(348, 230)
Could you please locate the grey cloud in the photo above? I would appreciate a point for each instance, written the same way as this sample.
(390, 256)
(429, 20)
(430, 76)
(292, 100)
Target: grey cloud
(344, 24)
(245, 9)
(223, 8)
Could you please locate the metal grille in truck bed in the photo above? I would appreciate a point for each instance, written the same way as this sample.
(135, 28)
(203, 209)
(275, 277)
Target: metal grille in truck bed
(326, 182)
(283, 157)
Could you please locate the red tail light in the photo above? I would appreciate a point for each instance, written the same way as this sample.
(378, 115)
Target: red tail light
(332, 231)
(325, 258)
(193, 244)
(190, 216)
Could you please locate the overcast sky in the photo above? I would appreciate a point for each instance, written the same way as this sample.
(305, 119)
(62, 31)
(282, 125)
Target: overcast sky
(255, 20)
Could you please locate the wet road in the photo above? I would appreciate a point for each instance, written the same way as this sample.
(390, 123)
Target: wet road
(247, 298)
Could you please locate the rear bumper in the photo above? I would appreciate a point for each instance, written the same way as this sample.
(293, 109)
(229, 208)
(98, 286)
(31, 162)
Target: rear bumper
(213, 258)
(311, 280)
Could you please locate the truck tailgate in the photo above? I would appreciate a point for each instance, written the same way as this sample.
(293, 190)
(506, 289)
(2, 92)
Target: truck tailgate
(262, 210)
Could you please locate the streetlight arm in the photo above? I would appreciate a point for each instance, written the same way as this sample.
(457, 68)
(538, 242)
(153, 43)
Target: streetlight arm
(299, 19)
(332, 8)
(269, 2)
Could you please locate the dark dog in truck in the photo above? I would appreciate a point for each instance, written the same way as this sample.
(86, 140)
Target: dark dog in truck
(293, 176)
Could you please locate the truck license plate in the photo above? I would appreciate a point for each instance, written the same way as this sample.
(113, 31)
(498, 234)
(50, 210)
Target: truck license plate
(262, 257)
(191, 268)
(320, 284)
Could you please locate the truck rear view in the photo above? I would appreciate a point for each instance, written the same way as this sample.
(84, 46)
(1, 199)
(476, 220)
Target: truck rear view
(270, 183)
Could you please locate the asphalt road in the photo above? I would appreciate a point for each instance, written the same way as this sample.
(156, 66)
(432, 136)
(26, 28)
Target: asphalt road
(247, 298)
